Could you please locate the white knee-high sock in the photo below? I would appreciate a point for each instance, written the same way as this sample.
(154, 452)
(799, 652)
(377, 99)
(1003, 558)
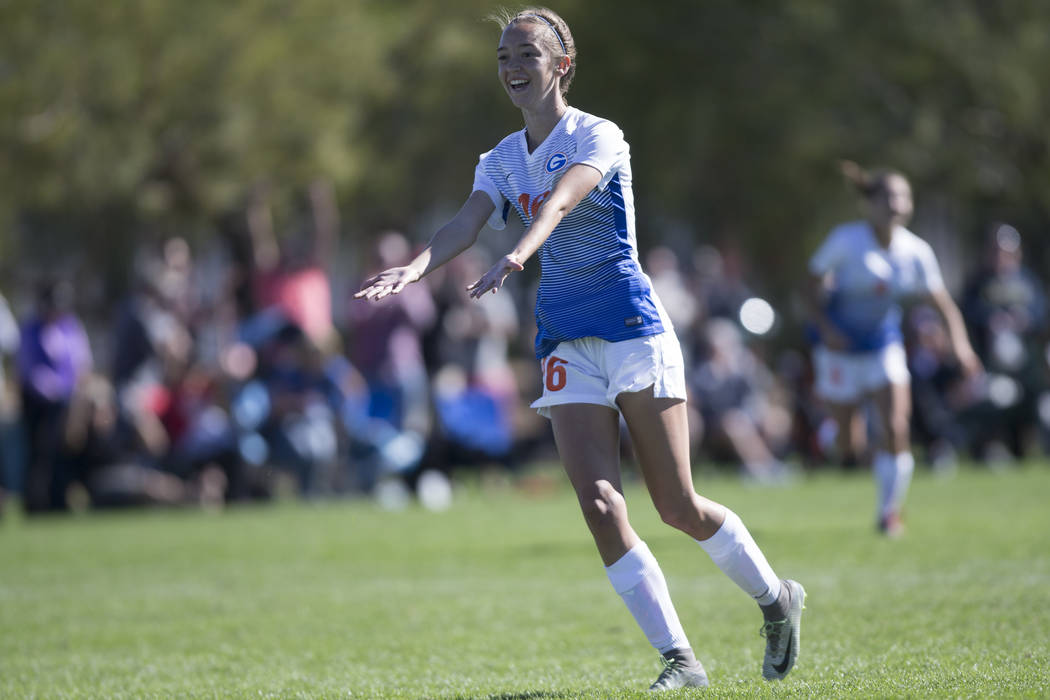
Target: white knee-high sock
(637, 577)
(884, 469)
(893, 473)
(905, 463)
(734, 551)
(905, 469)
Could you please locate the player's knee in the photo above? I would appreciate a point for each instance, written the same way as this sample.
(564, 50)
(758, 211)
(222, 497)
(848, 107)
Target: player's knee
(602, 504)
(679, 512)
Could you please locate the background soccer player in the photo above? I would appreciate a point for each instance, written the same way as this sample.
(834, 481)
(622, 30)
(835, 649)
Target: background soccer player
(861, 273)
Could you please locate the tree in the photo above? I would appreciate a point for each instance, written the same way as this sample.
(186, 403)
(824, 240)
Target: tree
(121, 118)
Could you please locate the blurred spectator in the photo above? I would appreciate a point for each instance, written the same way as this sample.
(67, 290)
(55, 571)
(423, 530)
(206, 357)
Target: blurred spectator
(810, 423)
(290, 274)
(186, 428)
(105, 454)
(944, 401)
(53, 357)
(1005, 308)
(734, 391)
(10, 436)
(369, 447)
(306, 409)
(384, 344)
(680, 301)
(131, 342)
(148, 333)
(475, 389)
(303, 428)
(720, 283)
(175, 279)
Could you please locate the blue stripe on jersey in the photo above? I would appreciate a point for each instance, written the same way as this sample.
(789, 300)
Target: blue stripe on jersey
(608, 297)
(619, 211)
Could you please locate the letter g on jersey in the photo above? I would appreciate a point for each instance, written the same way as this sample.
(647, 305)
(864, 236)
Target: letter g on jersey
(556, 162)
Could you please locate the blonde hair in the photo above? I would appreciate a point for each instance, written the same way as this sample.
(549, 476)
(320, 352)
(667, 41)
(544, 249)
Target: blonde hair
(559, 41)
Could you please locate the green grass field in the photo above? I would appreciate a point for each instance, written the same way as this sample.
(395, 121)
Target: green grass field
(503, 596)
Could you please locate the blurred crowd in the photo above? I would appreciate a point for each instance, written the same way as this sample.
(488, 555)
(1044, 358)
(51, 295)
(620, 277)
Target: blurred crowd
(244, 375)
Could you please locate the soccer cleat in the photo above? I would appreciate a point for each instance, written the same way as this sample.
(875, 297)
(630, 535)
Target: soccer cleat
(782, 637)
(677, 674)
(891, 525)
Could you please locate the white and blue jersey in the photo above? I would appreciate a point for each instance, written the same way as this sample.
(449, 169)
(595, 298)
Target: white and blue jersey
(591, 283)
(869, 281)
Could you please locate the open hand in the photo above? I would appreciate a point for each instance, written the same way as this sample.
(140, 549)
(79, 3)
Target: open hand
(386, 283)
(493, 279)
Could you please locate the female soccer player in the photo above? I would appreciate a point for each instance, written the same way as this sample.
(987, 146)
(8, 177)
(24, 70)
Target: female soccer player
(604, 342)
(860, 274)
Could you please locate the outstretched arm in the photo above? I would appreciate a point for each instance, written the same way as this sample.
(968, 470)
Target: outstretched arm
(573, 187)
(449, 241)
(957, 332)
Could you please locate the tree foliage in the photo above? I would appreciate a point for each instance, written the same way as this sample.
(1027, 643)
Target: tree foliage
(121, 118)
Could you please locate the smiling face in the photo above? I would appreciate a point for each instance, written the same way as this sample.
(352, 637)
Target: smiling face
(528, 69)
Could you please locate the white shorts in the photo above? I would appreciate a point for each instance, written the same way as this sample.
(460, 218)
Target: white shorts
(845, 377)
(592, 370)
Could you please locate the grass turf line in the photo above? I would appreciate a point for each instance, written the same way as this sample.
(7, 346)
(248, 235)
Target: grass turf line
(503, 596)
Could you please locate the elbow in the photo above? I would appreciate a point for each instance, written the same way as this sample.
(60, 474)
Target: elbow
(465, 239)
(562, 209)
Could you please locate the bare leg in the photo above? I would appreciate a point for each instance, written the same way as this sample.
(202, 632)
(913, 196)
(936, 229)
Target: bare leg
(893, 403)
(849, 440)
(593, 467)
(588, 439)
(660, 433)
(748, 443)
(894, 462)
(661, 440)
